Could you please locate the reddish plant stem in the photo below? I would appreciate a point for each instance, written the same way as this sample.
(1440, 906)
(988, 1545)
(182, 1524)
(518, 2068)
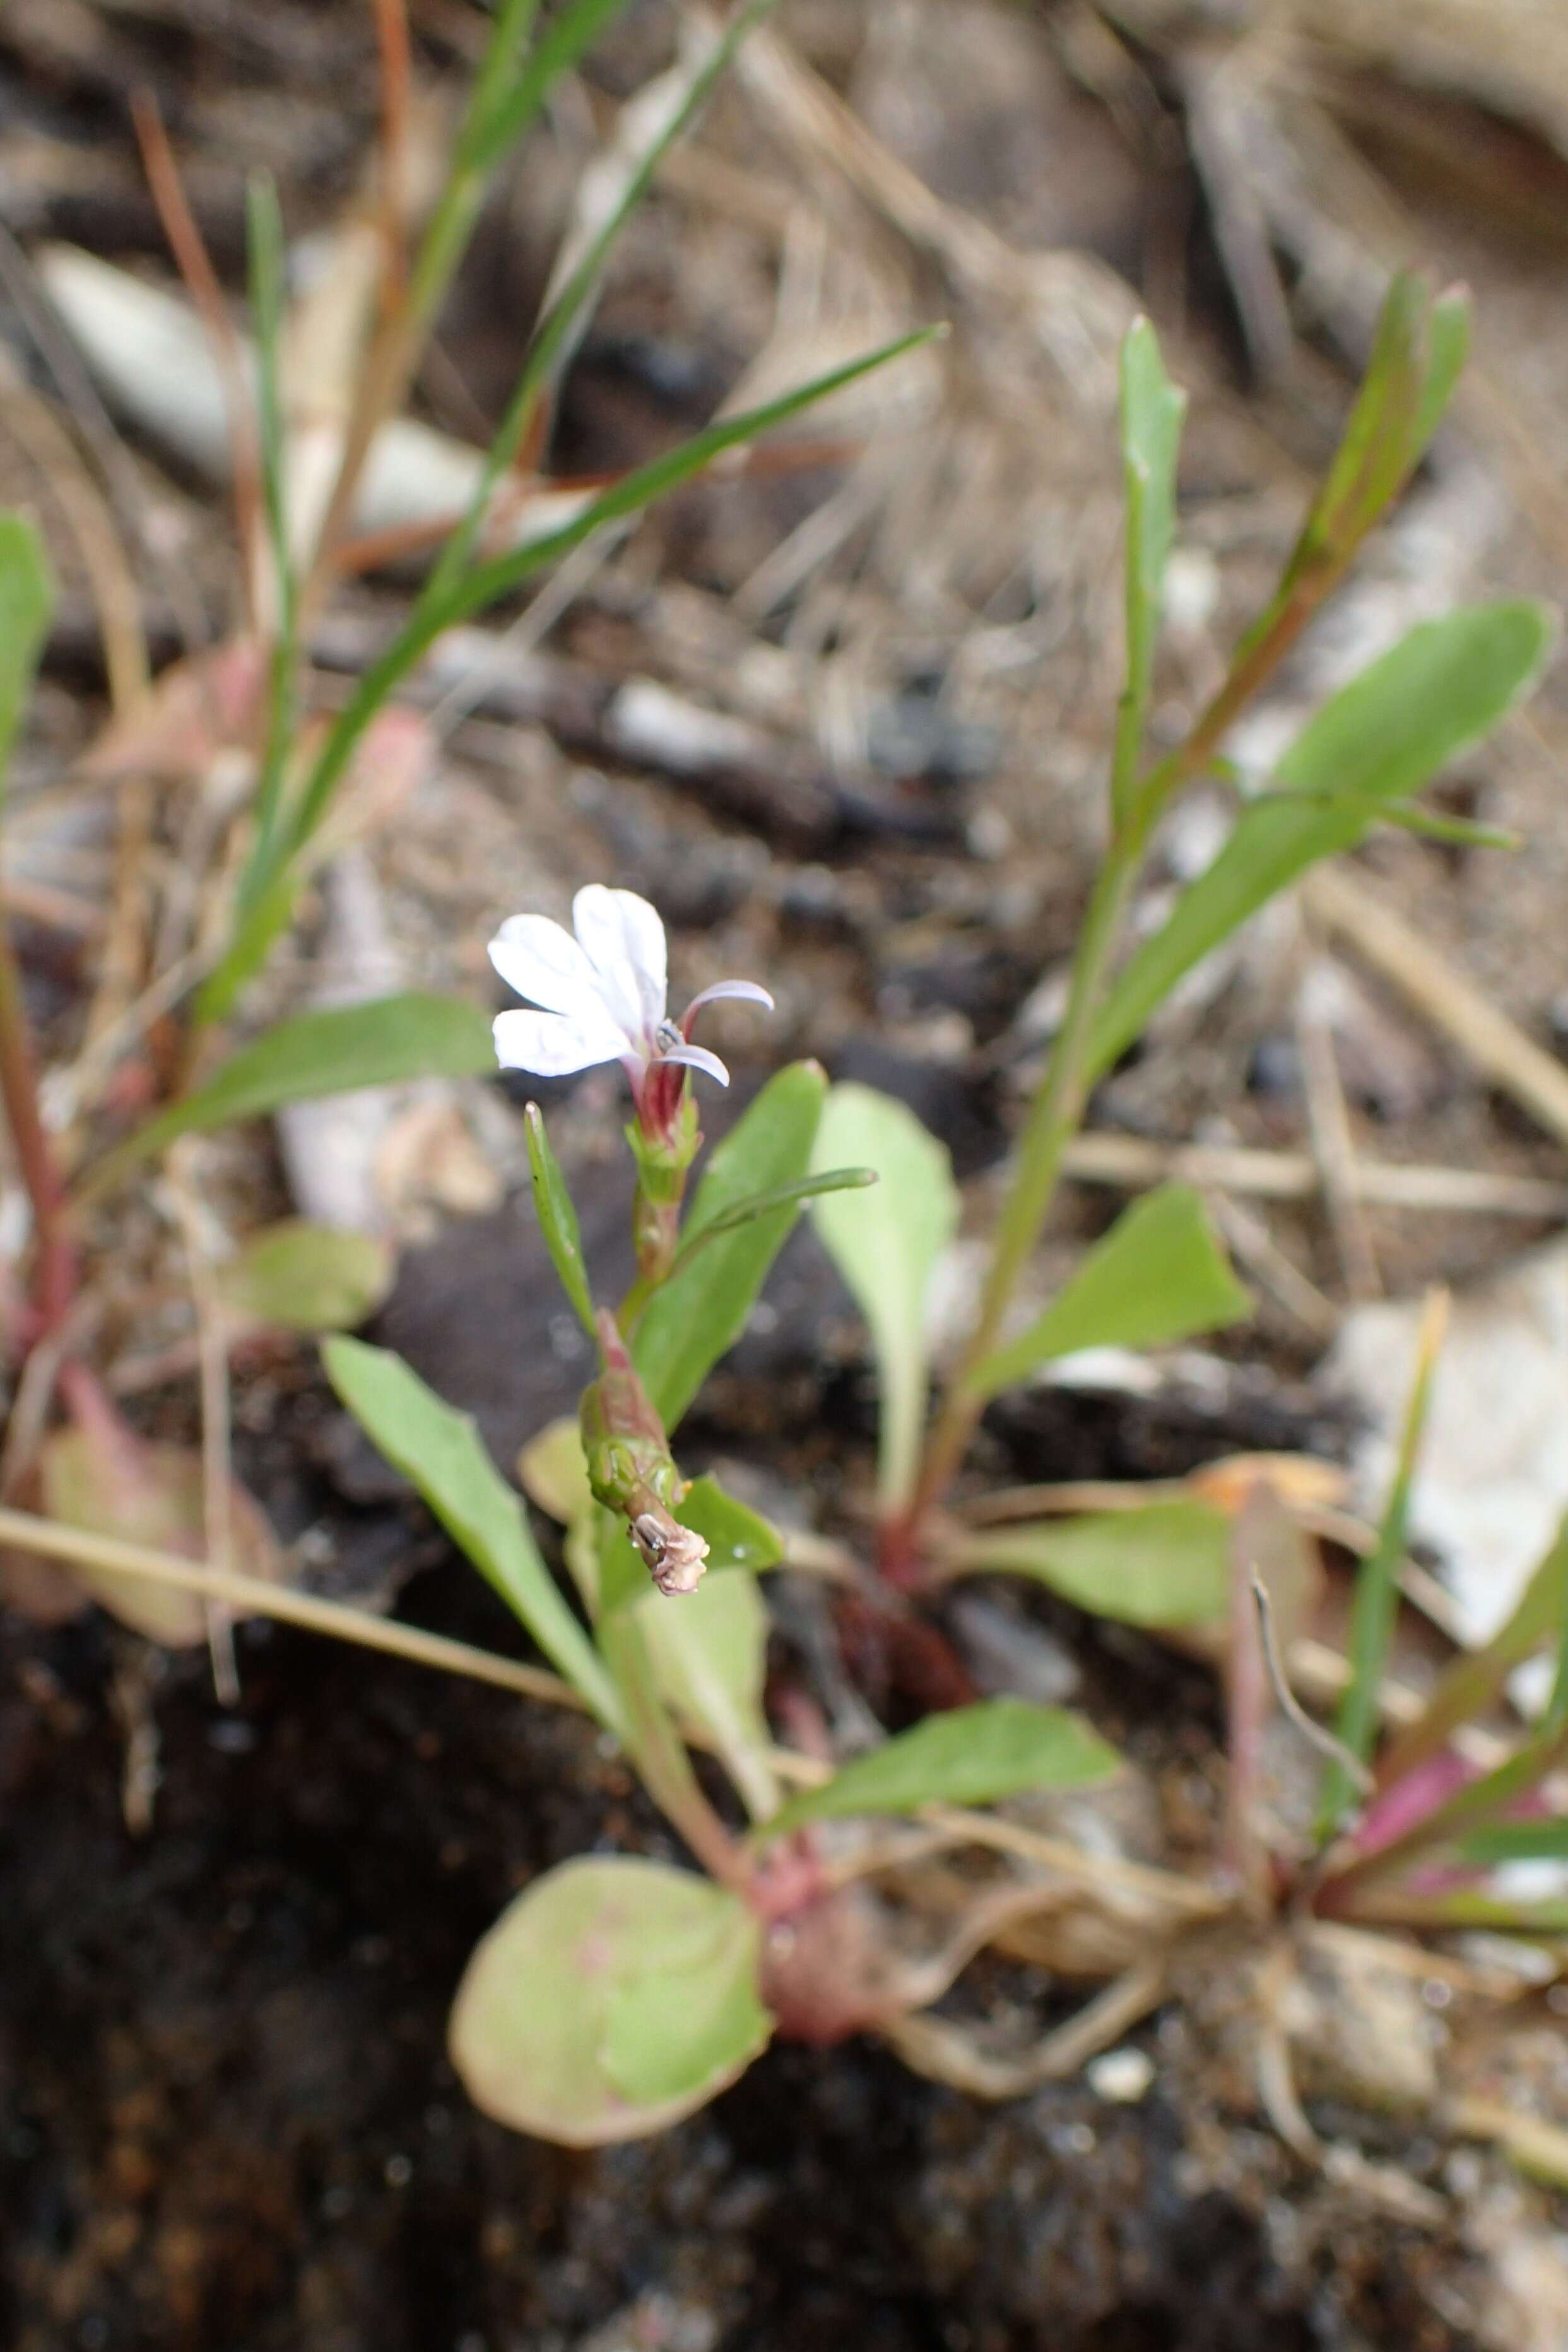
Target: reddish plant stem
(54, 1268)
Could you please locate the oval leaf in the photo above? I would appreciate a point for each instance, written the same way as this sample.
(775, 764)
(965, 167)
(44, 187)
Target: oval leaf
(105, 1479)
(329, 1052)
(969, 1756)
(1165, 1564)
(613, 1998)
(1158, 1277)
(440, 1454)
(736, 1537)
(300, 1276)
(701, 1311)
(885, 1244)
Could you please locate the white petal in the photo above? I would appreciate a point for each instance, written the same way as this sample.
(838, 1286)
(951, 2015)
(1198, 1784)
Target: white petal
(747, 991)
(625, 943)
(543, 963)
(553, 1044)
(697, 1057)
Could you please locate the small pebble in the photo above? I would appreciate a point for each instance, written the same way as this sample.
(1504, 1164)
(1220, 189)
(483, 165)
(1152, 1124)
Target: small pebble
(1121, 2076)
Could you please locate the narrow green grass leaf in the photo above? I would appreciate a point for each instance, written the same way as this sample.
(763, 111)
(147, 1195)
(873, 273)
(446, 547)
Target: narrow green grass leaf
(1376, 1586)
(441, 1455)
(26, 602)
(1158, 1275)
(968, 1755)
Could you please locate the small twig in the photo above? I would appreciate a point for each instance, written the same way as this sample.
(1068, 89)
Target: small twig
(943, 2051)
(1494, 1044)
(1333, 1146)
(1315, 1733)
(1133, 1160)
(397, 79)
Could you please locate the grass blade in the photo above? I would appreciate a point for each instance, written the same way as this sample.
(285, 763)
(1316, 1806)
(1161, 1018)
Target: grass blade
(1376, 1589)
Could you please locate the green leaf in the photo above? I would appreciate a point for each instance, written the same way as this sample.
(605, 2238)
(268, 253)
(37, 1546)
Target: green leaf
(1375, 1601)
(487, 582)
(557, 1217)
(613, 1997)
(1379, 739)
(1158, 1275)
(761, 1204)
(1542, 1839)
(1417, 354)
(329, 1052)
(1165, 1564)
(969, 1756)
(701, 1311)
(440, 1454)
(101, 1476)
(1467, 1688)
(736, 1536)
(1153, 410)
(297, 1277)
(709, 1654)
(886, 1247)
(26, 600)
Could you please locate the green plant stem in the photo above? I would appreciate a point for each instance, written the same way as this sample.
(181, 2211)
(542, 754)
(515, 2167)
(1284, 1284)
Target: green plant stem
(53, 1277)
(1059, 1106)
(1053, 1121)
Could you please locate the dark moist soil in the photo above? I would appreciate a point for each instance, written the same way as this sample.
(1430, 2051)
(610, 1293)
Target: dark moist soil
(228, 2122)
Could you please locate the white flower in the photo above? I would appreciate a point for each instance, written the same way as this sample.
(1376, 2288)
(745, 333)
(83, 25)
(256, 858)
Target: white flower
(603, 992)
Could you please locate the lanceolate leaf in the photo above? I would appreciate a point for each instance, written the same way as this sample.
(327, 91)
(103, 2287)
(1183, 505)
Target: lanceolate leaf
(760, 1204)
(1542, 1839)
(1379, 739)
(701, 1311)
(329, 1052)
(557, 1217)
(968, 1755)
(440, 1452)
(885, 1244)
(1167, 1564)
(1159, 1275)
(27, 600)
(613, 1997)
(1152, 413)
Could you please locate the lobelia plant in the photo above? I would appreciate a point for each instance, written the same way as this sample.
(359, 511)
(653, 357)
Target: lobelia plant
(309, 769)
(1158, 1275)
(616, 1994)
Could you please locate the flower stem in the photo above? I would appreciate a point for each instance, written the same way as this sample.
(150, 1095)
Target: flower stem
(1053, 1121)
(54, 1272)
(1059, 1106)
